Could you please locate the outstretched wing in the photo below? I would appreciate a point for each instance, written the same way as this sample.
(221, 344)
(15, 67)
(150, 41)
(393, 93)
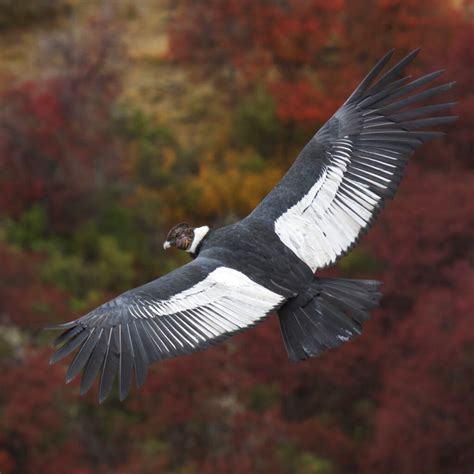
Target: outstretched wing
(187, 310)
(343, 176)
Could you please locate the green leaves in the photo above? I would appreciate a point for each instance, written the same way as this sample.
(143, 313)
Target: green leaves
(28, 229)
(255, 124)
(110, 269)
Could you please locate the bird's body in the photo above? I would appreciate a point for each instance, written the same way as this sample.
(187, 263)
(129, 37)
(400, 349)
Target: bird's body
(266, 262)
(246, 245)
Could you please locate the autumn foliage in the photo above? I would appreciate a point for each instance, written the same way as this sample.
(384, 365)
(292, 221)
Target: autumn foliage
(92, 177)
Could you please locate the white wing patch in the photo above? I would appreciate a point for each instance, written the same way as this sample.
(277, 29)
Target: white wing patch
(225, 301)
(329, 218)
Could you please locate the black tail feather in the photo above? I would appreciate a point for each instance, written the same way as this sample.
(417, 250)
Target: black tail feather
(328, 314)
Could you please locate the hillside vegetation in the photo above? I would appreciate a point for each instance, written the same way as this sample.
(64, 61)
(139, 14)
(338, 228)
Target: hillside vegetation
(119, 119)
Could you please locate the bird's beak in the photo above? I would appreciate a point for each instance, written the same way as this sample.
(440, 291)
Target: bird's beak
(166, 245)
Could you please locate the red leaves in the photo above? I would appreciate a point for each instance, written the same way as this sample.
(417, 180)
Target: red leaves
(56, 144)
(424, 411)
(31, 409)
(302, 101)
(25, 301)
(7, 463)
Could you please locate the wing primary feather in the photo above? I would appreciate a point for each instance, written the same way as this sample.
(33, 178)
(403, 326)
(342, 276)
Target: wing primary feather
(61, 327)
(151, 348)
(392, 89)
(83, 355)
(109, 367)
(416, 84)
(428, 122)
(427, 94)
(374, 72)
(420, 111)
(69, 346)
(137, 360)
(141, 359)
(151, 340)
(393, 73)
(68, 334)
(93, 364)
(127, 362)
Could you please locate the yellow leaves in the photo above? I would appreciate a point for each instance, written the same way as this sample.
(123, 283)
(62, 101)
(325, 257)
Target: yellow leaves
(168, 158)
(153, 49)
(226, 188)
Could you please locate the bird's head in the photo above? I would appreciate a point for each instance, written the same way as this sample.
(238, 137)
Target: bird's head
(184, 237)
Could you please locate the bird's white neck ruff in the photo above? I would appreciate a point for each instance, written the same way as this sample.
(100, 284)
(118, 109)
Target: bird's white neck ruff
(199, 234)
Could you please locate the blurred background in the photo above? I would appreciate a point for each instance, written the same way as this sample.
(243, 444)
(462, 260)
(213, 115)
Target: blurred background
(121, 118)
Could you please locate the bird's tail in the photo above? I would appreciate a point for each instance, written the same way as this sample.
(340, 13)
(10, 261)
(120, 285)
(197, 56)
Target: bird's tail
(331, 311)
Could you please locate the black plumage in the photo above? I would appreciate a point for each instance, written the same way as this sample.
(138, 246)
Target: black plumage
(243, 272)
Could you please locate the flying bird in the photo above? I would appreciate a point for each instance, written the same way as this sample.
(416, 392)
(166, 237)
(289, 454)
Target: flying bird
(266, 262)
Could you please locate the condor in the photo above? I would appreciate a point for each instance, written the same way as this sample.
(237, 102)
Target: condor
(266, 262)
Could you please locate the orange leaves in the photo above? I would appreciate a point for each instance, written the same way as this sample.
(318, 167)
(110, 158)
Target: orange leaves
(226, 189)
